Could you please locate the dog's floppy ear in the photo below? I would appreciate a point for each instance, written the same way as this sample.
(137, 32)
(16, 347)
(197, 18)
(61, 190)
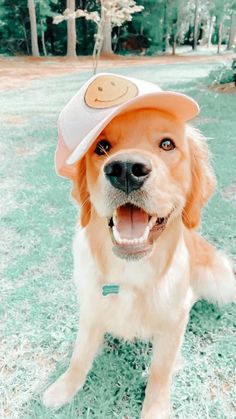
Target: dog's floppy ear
(80, 192)
(203, 181)
(76, 173)
(61, 155)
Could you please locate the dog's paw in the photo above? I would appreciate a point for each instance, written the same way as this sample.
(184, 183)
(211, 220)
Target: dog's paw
(60, 392)
(155, 412)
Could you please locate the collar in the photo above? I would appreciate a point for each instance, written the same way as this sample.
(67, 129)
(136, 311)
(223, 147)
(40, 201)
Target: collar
(108, 289)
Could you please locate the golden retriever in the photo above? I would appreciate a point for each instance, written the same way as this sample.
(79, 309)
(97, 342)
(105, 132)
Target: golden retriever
(139, 262)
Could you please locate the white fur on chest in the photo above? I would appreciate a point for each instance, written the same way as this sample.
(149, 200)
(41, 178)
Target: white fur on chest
(145, 302)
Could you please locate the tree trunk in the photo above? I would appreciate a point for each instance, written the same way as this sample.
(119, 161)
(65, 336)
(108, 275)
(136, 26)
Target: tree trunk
(141, 29)
(211, 27)
(107, 42)
(165, 37)
(106, 24)
(33, 28)
(26, 38)
(43, 39)
(232, 34)
(84, 28)
(219, 36)
(71, 32)
(195, 29)
(174, 44)
(51, 36)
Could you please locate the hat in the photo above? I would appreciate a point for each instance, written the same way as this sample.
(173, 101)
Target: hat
(99, 100)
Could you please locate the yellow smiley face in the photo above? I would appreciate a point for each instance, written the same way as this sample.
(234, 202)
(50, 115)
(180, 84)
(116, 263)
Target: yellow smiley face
(107, 91)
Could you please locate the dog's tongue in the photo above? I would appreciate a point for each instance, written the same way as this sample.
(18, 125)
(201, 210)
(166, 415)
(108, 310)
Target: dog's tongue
(131, 222)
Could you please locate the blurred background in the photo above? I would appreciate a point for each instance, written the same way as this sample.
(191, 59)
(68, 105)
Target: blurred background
(51, 27)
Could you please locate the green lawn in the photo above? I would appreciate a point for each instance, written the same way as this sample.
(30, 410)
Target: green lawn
(38, 308)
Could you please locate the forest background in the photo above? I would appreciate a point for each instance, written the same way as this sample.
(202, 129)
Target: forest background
(149, 27)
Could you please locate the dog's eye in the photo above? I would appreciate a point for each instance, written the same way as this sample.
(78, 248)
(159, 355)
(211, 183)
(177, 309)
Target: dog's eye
(167, 144)
(102, 147)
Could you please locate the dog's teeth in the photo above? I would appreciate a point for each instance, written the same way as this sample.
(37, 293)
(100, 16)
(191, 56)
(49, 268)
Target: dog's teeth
(145, 234)
(114, 217)
(116, 235)
(140, 240)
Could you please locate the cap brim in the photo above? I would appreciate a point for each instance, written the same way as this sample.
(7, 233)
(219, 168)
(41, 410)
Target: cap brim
(182, 107)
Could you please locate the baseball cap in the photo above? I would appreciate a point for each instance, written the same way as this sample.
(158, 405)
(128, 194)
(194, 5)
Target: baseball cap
(99, 100)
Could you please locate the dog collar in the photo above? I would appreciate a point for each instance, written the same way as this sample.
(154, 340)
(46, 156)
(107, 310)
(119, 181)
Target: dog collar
(110, 289)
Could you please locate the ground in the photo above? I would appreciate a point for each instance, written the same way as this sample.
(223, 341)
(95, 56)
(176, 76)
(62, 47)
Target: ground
(17, 70)
(38, 308)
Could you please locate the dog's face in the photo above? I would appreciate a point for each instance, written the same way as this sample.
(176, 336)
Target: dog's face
(140, 173)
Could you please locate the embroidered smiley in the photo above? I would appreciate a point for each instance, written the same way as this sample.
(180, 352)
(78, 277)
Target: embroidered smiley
(107, 91)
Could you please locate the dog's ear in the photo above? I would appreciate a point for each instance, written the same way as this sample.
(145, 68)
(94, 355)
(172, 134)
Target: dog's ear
(76, 173)
(80, 191)
(203, 181)
(61, 155)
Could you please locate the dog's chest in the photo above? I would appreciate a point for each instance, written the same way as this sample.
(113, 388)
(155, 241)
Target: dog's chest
(128, 314)
(133, 310)
(141, 304)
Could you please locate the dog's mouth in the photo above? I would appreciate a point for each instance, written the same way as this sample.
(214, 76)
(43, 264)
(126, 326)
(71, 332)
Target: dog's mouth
(134, 231)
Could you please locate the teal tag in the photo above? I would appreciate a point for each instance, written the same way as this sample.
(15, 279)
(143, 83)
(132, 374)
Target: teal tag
(110, 289)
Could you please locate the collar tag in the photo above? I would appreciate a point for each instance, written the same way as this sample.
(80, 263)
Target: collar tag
(110, 289)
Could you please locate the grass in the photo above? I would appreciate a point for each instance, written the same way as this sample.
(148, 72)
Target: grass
(38, 308)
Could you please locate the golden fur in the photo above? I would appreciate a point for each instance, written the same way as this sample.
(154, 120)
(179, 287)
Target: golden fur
(157, 292)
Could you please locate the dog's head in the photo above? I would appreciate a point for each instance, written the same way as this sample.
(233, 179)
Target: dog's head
(144, 169)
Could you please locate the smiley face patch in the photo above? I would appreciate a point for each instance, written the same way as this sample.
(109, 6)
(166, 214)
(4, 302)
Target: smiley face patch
(108, 91)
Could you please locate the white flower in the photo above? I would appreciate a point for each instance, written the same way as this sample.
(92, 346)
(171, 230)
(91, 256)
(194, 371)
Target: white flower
(118, 12)
(58, 19)
(80, 13)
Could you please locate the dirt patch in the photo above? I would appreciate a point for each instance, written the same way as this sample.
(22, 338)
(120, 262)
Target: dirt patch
(224, 88)
(14, 119)
(15, 72)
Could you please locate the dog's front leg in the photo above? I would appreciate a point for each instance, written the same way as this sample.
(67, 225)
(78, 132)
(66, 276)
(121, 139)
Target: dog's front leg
(90, 337)
(166, 348)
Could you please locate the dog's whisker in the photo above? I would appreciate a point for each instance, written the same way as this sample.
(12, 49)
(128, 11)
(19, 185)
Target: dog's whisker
(103, 150)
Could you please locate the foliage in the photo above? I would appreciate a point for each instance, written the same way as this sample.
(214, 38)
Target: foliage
(112, 13)
(222, 74)
(162, 24)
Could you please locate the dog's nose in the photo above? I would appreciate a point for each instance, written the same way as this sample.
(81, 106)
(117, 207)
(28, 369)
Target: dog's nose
(127, 176)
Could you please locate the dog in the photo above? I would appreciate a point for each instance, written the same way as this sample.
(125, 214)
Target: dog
(141, 176)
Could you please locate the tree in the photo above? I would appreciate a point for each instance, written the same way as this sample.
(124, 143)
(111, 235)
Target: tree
(112, 13)
(33, 28)
(163, 23)
(106, 47)
(166, 35)
(71, 32)
(232, 34)
(178, 21)
(222, 10)
(44, 11)
(210, 31)
(195, 24)
(14, 28)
